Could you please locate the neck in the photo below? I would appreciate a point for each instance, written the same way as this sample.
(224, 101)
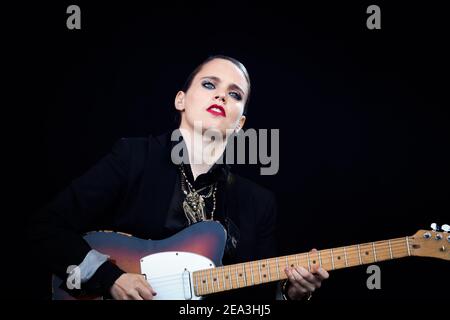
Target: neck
(268, 270)
(203, 151)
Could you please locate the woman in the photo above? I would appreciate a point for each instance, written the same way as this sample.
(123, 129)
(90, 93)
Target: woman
(138, 189)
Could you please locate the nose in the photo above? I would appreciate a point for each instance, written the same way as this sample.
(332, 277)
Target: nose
(220, 97)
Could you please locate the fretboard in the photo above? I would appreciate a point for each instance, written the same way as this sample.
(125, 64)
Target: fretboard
(257, 272)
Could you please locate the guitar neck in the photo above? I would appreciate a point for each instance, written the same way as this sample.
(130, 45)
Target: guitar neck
(252, 273)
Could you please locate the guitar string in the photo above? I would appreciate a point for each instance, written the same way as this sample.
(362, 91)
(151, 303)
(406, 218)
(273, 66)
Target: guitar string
(349, 250)
(271, 263)
(395, 245)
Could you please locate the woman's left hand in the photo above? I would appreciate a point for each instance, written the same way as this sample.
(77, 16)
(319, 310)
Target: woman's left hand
(303, 283)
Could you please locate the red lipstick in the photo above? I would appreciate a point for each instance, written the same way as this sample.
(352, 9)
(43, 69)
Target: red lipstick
(217, 110)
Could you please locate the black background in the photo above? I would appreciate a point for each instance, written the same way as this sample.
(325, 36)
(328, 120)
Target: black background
(363, 114)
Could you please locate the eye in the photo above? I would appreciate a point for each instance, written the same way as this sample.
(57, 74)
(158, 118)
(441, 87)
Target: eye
(208, 85)
(236, 95)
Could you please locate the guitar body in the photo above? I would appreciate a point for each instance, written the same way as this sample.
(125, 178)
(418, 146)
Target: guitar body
(167, 264)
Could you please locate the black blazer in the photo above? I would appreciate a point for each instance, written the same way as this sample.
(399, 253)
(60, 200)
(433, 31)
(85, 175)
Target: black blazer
(130, 190)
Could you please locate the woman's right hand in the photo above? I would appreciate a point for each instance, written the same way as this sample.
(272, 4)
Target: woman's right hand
(131, 286)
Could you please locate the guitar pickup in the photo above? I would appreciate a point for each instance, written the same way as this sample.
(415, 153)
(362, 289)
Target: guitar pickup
(187, 284)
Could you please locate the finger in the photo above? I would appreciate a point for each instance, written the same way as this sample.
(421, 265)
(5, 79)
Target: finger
(289, 274)
(145, 293)
(293, 284)
(134, 295)
(313, 250)
(295, 281)
(147, 285)
(322, 274)
(302, 281)
(311, 279)
(307, 275)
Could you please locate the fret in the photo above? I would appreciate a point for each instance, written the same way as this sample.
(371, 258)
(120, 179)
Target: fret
(309, 262)
(303, 264)
(287, 262)
(315, 260)
(345, 257)
(278, 270)
(237, 278)
(296, 260)
(327, 259)
(381, 250)
(320, 259)
(217, 279)
(255, 272)
(407, 245)
(196, 284)
(251, 272)
(390, 249)
(206, 283)
(374, 253)
(223, 278)
(366, 253)
(244, 273)
(359, 254)
(212, 281)
(260, 276)
(266, 274)
(238, 275)
(336, 255)
(268, 270)
(291, 260)
(332, 260)
(199, 280)
(229, 277)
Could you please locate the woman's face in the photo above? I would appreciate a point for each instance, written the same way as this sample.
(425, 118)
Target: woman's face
(216, 98)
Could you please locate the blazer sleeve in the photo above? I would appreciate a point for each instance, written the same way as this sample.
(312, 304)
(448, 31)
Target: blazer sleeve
(55, 232)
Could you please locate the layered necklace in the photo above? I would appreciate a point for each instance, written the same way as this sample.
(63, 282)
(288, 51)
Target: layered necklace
(194, 203)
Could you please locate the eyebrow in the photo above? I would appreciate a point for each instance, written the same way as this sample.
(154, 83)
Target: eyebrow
(233, 85)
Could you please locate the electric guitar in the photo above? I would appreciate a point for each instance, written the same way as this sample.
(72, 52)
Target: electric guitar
(187, 266)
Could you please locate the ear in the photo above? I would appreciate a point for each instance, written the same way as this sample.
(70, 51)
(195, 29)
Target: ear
(241, 124)
(179, 101)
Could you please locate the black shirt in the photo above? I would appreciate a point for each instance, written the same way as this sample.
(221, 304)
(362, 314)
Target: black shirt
(216, 175)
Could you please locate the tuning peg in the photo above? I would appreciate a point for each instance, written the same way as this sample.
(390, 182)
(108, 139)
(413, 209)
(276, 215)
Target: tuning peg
(446, 227)
(434, 226)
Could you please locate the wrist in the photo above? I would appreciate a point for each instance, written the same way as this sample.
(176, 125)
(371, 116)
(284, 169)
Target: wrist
(285, 292)
(105, 277)
(284, 289)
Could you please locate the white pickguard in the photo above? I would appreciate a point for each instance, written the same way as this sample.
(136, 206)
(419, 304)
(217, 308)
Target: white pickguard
(170, 273)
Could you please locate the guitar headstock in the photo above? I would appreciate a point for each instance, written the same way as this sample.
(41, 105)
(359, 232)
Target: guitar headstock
(433, 243)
